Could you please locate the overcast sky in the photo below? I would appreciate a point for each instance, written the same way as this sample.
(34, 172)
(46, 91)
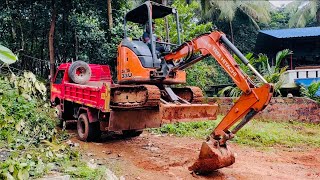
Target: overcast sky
(280, 3)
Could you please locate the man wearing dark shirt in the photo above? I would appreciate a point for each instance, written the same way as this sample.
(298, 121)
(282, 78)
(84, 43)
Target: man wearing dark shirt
(146, 38)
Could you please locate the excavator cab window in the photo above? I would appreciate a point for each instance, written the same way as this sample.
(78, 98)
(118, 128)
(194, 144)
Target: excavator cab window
(144, 15)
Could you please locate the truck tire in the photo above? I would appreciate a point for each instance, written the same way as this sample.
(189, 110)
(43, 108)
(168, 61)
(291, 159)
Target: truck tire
(131, 133)
(87, 131)
(79, 72)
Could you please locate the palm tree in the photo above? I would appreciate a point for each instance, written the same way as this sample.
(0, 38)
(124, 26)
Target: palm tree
(303, 12)
(256, 11)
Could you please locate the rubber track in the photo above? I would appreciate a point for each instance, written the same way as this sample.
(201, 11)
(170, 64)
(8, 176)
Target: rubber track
(197, 95)
(152, 99)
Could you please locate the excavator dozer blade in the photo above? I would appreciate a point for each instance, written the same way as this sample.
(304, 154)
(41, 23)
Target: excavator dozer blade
(212, 158)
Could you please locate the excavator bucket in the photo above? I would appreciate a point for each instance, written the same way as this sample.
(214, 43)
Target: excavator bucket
(211, 158)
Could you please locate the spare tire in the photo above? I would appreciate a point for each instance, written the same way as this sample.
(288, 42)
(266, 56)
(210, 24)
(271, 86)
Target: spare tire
(79, 72)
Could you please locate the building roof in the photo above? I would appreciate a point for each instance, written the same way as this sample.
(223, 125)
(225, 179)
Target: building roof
(293, 33)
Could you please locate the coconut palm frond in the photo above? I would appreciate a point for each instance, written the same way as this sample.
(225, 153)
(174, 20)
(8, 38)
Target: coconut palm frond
(314, 5)
(249, 56)
(225, 91)
(305, 13)
(292, 7)
(235, 92)
(211, 13)
(227, 9)
(313, 88)
(205, 6)
(258, 10)
(281, 55)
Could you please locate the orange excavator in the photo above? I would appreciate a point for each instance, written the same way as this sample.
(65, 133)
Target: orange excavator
(144, 97)
(138, 63)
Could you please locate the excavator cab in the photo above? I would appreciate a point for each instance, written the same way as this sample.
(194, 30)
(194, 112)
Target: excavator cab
(139, 62)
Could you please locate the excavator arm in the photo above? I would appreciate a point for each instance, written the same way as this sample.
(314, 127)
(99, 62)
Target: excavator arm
(215, 154)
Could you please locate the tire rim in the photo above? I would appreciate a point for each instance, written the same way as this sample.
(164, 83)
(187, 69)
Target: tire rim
(80, 71)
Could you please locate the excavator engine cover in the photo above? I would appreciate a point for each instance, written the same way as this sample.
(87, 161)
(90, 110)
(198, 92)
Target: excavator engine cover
(212, 157)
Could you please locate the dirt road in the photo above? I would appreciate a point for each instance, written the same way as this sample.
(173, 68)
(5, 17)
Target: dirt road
(157, 157)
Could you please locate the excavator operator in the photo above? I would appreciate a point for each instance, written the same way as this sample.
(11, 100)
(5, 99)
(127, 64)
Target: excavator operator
(146, 38)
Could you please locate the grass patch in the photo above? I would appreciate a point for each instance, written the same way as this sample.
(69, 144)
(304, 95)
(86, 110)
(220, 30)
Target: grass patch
(189, 129)
(255, 133)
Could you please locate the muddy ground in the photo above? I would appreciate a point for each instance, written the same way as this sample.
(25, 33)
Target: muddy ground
(151, 156)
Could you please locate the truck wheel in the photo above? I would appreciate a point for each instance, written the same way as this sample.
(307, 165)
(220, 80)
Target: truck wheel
(131, 133)
(87, 131)
(79, 72)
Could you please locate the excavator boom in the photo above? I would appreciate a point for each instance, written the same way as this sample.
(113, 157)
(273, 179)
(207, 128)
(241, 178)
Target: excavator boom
(215, 154)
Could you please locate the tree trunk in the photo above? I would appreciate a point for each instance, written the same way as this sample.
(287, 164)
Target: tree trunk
(231, 32)
(51, 39)
(318, 15)
(110, 14)
(13, 31)
(75, 46)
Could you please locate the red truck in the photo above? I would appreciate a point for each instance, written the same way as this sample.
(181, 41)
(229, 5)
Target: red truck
(100, 105)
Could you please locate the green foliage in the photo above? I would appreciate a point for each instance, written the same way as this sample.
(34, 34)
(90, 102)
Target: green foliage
(28, 86)
(7, 56)
(30, 145)
(81, 32)
(311, 91)
(22, 123)
(188, 21)
(201, 75)
(82, 170)
(255, 133)
(279, 20)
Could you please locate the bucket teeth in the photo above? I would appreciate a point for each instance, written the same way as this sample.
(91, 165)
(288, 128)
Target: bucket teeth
(206, 152)
(212, 158)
